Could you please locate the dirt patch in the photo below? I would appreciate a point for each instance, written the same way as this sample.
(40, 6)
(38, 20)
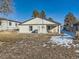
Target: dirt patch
(32, 46)
(35, 50)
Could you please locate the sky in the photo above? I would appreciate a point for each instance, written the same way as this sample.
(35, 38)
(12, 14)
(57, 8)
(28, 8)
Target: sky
(56, 9)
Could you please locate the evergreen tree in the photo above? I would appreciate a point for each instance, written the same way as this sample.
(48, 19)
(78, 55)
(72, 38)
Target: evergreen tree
(42, 14)
(35, 13)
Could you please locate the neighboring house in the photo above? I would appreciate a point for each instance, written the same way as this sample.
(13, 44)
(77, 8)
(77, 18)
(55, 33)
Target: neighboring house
(70, 19)
(39, 25)
(76, 28)
(8, 25)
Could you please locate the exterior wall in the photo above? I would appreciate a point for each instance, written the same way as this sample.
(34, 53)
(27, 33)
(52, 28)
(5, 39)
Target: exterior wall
(38, 24)
(13, 26)
(25, 28)
(5, 25)
(40, 28)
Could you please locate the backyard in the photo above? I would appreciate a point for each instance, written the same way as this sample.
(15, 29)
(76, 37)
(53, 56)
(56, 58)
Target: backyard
(32, 46)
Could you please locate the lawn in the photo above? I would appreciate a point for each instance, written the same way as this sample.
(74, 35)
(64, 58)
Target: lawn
(13, 36)
(32, 46)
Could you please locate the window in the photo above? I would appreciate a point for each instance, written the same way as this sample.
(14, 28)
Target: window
(0, 22)
(30, 28)
(16, 24)
(10, 23)
(48, 27)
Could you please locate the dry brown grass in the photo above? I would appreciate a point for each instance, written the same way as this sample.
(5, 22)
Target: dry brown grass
(13, 36)
(30, 46)
(31, 50)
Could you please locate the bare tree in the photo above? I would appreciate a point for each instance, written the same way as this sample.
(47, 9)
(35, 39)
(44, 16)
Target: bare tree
(5, 6)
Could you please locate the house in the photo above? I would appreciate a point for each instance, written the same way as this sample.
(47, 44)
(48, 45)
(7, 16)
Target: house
(70, 19)
(8, 25)
(39, 25)
(76, 28)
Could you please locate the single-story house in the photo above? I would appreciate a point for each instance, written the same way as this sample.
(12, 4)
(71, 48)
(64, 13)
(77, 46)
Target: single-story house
(76, 28)
(6, 24)
(39, 25)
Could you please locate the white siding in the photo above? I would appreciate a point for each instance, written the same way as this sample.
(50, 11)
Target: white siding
(5, 25)
(13, 25)
(38, 24)
(25, 28)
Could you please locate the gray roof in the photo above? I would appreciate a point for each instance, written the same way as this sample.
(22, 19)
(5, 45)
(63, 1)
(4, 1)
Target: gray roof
(45, 19)
(51, 20)
(9, 20)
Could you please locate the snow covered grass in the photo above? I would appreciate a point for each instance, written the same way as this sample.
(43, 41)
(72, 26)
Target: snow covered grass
(61, 40)
(65, 40)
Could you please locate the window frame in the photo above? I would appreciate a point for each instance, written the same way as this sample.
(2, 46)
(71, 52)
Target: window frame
(10, 23)
(30, 28)
(48, 27)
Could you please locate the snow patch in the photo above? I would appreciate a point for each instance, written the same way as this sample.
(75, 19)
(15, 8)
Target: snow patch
(64, 40)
